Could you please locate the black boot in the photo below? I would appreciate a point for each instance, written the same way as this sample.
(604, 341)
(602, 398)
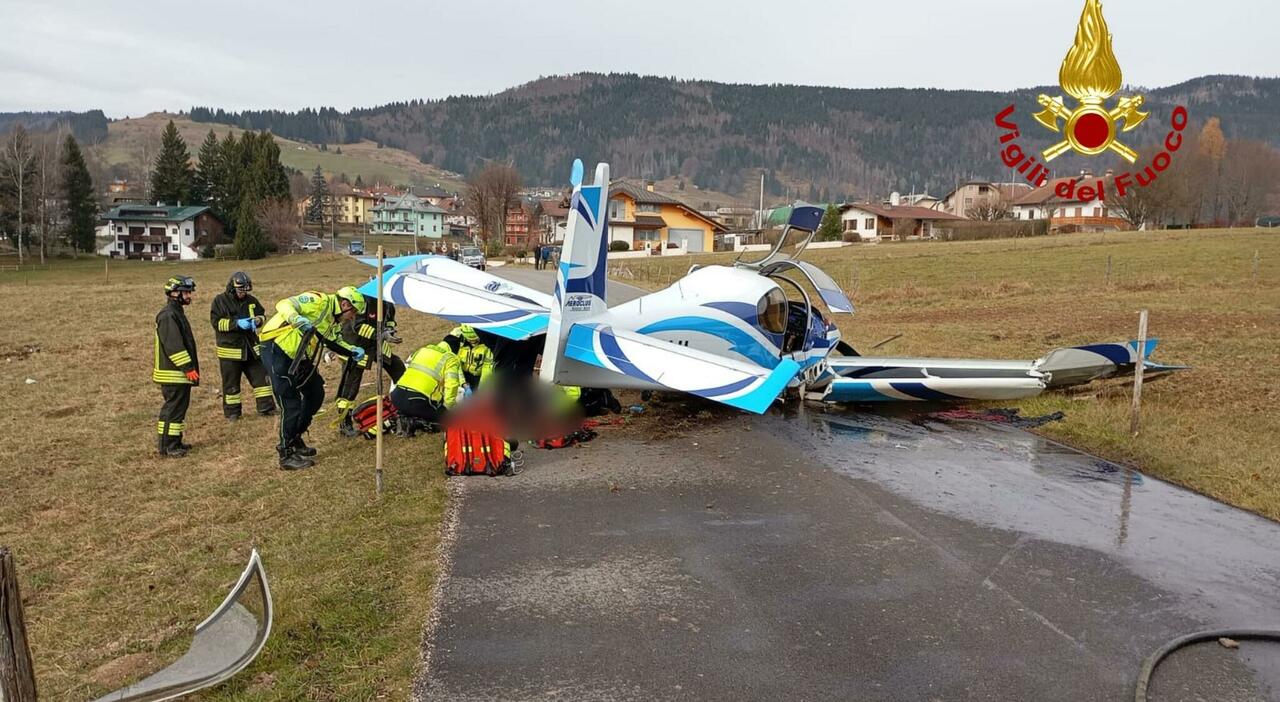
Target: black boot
(184, 446)
(173, 448)
(289, 460)
(302, 449)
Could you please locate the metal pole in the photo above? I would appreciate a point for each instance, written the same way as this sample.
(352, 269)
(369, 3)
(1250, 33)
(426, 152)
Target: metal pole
(377, 371)
(1137, 371)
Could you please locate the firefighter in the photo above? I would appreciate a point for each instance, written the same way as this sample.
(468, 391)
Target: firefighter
(429, 387)
(236, 316)
(291, 345)
(473, 353)
(363, 332)
(176, 368)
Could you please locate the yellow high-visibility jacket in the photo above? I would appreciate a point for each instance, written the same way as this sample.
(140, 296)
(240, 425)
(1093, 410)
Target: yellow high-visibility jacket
(476, 360)
(434, 371)
(318, 308)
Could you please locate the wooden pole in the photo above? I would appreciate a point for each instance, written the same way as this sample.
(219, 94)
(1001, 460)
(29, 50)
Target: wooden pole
(106, 269)
(17, 676)
(377, 372)
(1137, 372)
(1255, 265)
(1108, 269)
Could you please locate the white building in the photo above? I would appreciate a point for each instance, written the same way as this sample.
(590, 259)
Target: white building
(159, 232)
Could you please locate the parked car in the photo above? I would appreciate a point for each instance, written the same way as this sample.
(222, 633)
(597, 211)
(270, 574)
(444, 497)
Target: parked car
(1267, 221)
(472, 256)
(312, 246)
(356, 248)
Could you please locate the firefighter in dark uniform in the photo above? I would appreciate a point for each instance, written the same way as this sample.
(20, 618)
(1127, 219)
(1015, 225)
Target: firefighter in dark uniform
(291, 345)
(176, 368)
(363, 332)
(236, 316)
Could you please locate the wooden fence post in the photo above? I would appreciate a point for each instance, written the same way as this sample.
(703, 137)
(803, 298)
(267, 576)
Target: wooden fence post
(17, 676)
(1137, 372)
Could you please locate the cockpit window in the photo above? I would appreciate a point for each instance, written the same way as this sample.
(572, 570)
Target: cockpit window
(772, 310)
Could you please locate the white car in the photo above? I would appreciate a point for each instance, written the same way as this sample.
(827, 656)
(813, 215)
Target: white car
(312, 246)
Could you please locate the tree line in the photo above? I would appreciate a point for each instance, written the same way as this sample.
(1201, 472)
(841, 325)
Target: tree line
(241, 181)
(46, 194)
(813, 142)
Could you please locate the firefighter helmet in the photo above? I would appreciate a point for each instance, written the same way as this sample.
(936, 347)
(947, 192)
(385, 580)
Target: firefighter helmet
(350, 294)
(180, 283)
(240, 281)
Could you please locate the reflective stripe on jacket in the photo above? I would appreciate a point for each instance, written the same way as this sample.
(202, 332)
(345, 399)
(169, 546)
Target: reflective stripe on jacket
(175, 347)
(434, 372)
(319, 309)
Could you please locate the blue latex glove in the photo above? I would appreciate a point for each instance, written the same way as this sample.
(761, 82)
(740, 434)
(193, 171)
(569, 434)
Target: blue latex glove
(358, 354)
(245, 324)
(303, 324)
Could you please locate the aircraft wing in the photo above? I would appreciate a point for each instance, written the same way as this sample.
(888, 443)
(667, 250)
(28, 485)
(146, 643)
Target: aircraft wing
(735, 383)
(443, 287)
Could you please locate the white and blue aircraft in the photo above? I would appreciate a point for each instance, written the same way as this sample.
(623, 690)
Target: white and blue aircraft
(731, 334)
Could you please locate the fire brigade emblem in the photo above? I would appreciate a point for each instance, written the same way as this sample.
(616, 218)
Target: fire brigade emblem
(1091, 75)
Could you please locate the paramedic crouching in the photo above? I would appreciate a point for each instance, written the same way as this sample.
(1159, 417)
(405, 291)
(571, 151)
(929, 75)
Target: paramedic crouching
(428, 389)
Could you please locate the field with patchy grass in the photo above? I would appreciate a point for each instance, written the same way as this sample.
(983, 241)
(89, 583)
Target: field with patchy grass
(121, 553)
(1215, 429)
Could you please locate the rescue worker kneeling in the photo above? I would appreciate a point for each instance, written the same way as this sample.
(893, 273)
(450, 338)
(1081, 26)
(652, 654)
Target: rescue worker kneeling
(291, 346)
(428, 389)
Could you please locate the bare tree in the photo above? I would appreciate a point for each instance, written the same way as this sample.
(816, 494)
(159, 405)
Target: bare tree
(988, 208)
(1250, 175)
(279, 223)
(47, 149)
(904, 227)
(490, 195)
(18, 161)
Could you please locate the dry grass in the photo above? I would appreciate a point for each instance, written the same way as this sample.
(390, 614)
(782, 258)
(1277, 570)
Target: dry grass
(122, 553)
(1213, 429)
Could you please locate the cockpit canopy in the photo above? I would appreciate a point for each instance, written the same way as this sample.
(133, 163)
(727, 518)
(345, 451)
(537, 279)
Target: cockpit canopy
(772, 311)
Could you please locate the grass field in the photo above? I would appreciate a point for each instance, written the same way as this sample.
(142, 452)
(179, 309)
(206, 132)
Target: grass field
(121, 553)
(1214, 429)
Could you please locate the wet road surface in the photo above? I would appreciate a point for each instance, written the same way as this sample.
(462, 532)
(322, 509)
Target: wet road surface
(844, 556)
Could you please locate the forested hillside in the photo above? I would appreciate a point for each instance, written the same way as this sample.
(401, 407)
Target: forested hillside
(88, 127)
(811, 142)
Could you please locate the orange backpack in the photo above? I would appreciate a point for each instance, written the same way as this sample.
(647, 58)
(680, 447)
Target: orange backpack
(475, 448)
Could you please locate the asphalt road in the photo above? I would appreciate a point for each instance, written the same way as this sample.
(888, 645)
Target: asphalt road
(545, 280)
(710, 555)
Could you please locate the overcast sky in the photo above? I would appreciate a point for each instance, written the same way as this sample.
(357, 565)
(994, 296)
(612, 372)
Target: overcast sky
(130, 57)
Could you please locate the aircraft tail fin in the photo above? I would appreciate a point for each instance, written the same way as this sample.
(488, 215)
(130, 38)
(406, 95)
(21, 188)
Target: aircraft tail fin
(581, 274)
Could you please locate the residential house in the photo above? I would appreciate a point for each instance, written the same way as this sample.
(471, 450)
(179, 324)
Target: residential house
(408, 215)
(646, 219)
(352, 206)
(555, 218)
(914, 199)
(435, 195)
(520, 230)
(872, 222)
(161, 233)
(736, 218)
(966, 197)
(1070, 213)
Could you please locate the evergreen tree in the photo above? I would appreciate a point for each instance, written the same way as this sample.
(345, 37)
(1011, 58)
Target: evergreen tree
(250, 242)
(207, 184)
(171, 180)
(319, 197)
(232, 170)
(359, 181)
(829, 229)
(77, 188)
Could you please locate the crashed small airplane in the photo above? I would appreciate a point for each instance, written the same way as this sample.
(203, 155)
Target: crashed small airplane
(727, 333)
